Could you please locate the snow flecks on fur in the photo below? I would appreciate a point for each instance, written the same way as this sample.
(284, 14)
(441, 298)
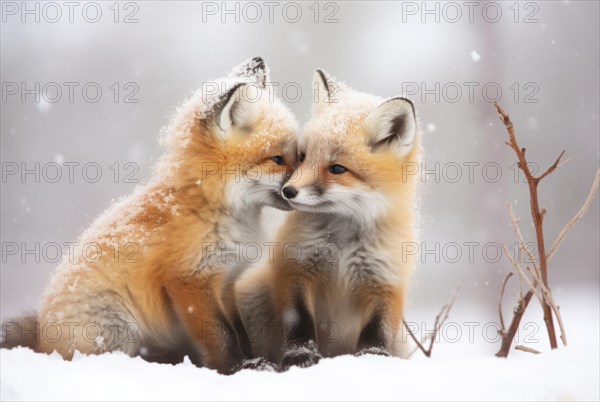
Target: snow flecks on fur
(342, 114)
(253, 69)
(374, 350)
(205, 101)
(100, 343)
(63, 279)
(73, 286)
(310, 348)
(133, 219)
(258, 364)
(305, 355)
(177, 135)
(278, 122)
(127, 222)
(123, 220)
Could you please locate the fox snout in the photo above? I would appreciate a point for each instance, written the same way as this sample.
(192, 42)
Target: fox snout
(289, 191)
(301, 180)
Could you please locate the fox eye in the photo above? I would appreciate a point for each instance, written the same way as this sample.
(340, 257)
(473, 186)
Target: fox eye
(278, 160)
(337, 169)
(301, 157)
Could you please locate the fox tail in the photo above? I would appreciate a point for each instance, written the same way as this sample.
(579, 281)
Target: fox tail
(21, 331)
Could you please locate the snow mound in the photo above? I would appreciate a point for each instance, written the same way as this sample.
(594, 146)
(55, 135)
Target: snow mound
(557, 375)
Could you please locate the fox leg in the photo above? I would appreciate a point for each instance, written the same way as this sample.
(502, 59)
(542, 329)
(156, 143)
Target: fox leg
(375, 338)
(233, 314)
(230, 305)
(197, 303)
(299, 331)
(255, 299)
(378, 334)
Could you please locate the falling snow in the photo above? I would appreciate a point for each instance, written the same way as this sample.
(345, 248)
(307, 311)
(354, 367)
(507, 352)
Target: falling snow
(475, 56)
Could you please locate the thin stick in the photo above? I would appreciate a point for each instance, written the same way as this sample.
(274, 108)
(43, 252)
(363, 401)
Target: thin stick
(546, 295)
(509, 336)
(578, 215)
(537, 214)
(551, 168)
(527, 349)
(426, 352)
(502, 327)
(539, 272)
(517, 266)
(427, 337)
(523, 246)
(556, 310)
(439, 322)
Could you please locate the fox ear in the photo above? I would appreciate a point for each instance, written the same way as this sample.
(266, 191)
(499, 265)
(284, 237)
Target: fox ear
(239, 109)
(324, 87)
(254, 69)
(393, 124)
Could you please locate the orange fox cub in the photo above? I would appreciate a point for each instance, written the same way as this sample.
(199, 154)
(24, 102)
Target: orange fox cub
(156, 277)
(338, 281)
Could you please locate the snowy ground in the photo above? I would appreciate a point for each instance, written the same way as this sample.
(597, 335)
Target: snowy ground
(462, 370)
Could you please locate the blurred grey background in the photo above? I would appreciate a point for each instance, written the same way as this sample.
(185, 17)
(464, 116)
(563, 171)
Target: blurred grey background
(542, 55)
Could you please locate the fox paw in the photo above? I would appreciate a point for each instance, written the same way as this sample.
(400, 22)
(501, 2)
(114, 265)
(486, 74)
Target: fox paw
(374, 350)
(259, 364)
(300, 356)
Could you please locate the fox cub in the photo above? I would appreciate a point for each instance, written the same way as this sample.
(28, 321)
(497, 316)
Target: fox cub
(338, 281)
(169, 291)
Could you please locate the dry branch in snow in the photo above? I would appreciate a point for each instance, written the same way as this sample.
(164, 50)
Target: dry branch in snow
(527, 349)
(536, 276)
(440, 319)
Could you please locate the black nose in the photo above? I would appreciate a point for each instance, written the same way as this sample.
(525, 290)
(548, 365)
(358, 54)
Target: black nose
(290, 192)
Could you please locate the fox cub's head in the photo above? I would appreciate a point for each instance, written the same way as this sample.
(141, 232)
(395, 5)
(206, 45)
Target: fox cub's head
(353, 153)
(236, 139)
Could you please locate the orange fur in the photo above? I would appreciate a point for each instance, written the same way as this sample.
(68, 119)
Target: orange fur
(160, 286)
(341, 301)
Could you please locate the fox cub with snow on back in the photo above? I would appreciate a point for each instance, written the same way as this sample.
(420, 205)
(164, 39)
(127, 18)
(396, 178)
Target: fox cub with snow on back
(342, 287)
(168, 291)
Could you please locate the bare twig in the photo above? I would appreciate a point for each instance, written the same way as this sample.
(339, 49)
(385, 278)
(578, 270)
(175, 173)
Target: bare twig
(563, 335)
(523, 246)
(538, 274)
(532, 285)
(440, 319)
(564, 162)
(426, 352)
(527, 349)
(556, 310)
(502, 326)
(427, 337)
(509, 335)
(536, 213)
(578, 215)
(535, 273)
(551, 168)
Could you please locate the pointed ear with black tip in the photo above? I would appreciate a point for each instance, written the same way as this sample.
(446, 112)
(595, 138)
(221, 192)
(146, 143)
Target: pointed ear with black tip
(238, 109)
(393, 124)
(324, 91)
(254, 69)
